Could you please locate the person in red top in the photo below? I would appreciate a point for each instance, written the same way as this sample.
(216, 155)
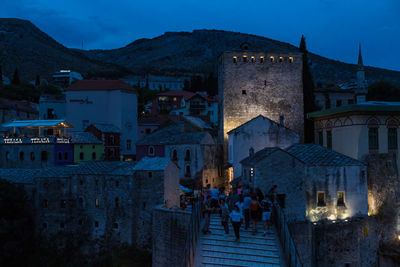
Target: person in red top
(254, 206)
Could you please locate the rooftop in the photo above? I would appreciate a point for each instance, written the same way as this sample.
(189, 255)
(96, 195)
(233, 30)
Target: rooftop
(18, 105)
(34, 124)
(19, 176)
(84, 138)
(368, 106)
(100, 85)
(311, 154)
(259, 155)
(107, 128)
(152, 164)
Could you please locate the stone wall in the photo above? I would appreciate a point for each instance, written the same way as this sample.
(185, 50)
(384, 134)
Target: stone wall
(13, 160)
(169, 236)
(248, 89)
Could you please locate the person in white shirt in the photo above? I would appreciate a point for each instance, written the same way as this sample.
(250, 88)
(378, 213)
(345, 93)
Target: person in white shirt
(236, 219)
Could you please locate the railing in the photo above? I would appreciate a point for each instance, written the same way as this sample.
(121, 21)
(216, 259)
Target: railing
(192, 236)
(289, 249)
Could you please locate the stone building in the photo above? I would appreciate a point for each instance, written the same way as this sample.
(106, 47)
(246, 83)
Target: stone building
(11, 110)
(260, 83)
(193, 151)
(313, 182)
(256, 134)
(99, 203)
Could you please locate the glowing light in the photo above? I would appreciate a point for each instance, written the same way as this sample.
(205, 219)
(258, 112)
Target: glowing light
(332, 217)
(315, 223)
(334, 221)
(346, 220)
(398, 237)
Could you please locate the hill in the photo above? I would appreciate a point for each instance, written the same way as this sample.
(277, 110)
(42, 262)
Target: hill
(24, 46)
(197, 51)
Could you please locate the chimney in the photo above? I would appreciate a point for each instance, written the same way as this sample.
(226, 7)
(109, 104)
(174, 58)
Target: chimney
(251, 152)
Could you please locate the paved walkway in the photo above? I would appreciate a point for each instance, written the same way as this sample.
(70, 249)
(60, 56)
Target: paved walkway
(219, 249)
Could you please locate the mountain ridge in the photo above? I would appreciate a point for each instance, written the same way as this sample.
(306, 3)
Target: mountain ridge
(172, 53)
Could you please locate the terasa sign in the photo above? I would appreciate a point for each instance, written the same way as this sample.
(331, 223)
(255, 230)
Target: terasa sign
(62, 141)
(12, 140)
(40, 140)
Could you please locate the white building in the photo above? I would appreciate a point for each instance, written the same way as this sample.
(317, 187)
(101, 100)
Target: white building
(158, 82)
(66, 77)
(104, 101)
(52, 107)
(256, 134)
(359, 130)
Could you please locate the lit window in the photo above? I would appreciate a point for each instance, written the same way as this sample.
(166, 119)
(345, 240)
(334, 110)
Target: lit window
(392, 138)
(321, 198)
(244, 58)
(280, 59)
(272, 59)
(253, 59)
(234, 59)
(290, 59)
(261, 59)
(97, 202)
(340, 198)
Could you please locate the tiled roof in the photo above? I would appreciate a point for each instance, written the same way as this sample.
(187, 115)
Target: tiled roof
(311, 154)
(84, 138)
(107, 128)
(19, 176)
(368, 106)
(18, 105)
(157, 119)
(173, 134)
(100, 85)
(180, 93)
(253, 119)
(152, 164)
(259, 155)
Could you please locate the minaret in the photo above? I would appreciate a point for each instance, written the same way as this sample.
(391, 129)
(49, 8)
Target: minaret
(360, 71)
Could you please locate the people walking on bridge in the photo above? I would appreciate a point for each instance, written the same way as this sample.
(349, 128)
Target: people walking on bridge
(236, 219)
(207, 214)
(266, 213)
(246, 210)
(225, 215)
(254, 206)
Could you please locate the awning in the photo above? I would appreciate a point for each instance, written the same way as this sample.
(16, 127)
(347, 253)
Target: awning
(35, 124)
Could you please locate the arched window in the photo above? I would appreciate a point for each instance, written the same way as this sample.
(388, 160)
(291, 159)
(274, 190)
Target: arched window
(280, 59)
(174, 155)
(21, 156)
(253, 59)
(59, 155)
(272, 59)
(151, 151)
(187, 155)
(235, 59)
(32, 156)
(81, 156)
(290, 59)
(66, 155)
(244, 58)
(261, 59)
(187, 171)
(8, 156)
(373, 137)
(116, 202)
(44, 156)
(392, 135)
(94, 156)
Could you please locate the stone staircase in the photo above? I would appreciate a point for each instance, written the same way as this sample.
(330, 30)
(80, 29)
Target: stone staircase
(219, 249)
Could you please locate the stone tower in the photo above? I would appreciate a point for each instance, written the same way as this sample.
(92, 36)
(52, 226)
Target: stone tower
(254, 83)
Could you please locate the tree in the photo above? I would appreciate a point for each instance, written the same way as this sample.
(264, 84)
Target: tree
(308, 93)
(383, 91)
(15, 79)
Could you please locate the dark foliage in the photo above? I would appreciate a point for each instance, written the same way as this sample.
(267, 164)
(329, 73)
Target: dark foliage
(383, 91)
(308, 94)
(144, 96)
(125, 255)
(201, 84)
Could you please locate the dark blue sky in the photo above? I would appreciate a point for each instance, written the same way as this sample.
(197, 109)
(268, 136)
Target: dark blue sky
(333, 28)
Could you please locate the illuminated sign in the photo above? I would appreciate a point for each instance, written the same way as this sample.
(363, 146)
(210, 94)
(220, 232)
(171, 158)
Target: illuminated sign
(12, 140)
(62, 140)
(40, 140)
